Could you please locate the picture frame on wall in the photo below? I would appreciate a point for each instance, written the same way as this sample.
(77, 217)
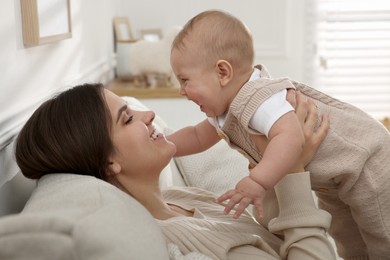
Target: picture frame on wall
(45, 21)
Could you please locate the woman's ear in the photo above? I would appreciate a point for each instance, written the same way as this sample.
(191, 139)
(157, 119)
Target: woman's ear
(114, 167)
(225, 71)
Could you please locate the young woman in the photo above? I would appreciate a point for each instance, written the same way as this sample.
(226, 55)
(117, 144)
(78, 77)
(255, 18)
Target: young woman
(89, 130)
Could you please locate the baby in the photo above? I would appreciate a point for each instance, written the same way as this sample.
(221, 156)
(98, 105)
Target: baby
(212, 57)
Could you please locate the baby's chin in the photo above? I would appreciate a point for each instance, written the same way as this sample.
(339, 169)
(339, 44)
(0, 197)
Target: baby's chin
(174, 149)
(213, 114)
(207, 112)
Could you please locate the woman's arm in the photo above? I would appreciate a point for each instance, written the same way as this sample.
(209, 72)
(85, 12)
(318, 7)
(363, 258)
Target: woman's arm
(306, 112)
(301, 223)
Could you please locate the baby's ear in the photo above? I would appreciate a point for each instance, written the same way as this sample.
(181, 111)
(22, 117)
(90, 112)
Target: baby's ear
(225, 71)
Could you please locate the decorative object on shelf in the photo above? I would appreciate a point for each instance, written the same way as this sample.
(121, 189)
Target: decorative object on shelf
(45, 21)
(125, 87)
(152, 35)
(123, 39)
(149, 80)
(122, 30)
(152, 59)
(144, 62)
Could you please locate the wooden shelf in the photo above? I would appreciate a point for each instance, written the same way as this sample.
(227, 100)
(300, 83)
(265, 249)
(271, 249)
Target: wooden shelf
(125, 88)
(143, 93)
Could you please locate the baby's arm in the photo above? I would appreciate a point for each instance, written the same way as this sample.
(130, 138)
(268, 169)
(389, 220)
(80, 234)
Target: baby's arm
(284, 148)
(285, 145)
(194, 139)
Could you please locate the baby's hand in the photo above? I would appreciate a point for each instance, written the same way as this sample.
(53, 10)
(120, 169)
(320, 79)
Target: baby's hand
(247, 192)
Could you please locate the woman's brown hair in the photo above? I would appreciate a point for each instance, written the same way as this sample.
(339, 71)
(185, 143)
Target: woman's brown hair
(67, 134)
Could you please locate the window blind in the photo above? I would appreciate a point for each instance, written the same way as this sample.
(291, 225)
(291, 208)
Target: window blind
(350, 57)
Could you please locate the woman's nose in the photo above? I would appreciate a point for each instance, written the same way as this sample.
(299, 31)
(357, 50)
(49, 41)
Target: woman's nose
(149, 117)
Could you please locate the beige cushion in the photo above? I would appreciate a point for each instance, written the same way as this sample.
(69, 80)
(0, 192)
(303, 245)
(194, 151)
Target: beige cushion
(80, 217)
(217, 169)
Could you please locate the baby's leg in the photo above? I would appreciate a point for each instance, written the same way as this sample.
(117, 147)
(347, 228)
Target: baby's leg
(361, 209)
(351, 174)
(371, 209)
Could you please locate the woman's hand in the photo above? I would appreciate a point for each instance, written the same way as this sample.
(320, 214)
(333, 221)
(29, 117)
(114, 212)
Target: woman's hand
(307, 115)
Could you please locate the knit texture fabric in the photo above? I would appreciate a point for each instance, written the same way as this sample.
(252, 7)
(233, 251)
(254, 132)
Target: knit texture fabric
(301, 225)
(350, 172)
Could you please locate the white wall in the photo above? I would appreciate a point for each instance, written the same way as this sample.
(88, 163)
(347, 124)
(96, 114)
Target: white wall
(277, 26)
(28, 75)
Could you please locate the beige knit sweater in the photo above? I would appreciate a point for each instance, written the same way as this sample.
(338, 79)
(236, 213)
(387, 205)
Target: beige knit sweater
(300, 225)
(350, 172)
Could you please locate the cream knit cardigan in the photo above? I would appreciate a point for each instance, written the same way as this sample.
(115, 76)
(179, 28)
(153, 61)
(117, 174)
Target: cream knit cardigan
(300, 225)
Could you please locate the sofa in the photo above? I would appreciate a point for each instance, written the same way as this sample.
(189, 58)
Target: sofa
(69, 216)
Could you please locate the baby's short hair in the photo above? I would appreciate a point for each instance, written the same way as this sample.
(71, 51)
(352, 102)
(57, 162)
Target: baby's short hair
(218, 35)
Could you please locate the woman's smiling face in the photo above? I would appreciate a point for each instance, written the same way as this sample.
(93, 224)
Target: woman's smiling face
(139, 148)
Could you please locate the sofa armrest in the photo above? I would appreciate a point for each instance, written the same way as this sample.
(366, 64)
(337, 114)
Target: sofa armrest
(82, 218)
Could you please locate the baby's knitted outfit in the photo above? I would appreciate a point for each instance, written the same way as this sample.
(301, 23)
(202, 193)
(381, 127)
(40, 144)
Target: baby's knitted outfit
(350, 172)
